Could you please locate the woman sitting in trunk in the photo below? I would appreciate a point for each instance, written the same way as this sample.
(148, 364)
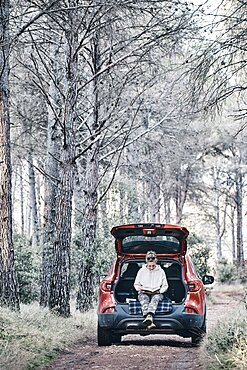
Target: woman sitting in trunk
(150, 283)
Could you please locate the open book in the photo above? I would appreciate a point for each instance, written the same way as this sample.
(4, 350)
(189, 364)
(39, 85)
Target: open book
(150, 291)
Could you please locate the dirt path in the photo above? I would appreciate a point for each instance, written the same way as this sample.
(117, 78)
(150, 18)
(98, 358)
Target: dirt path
(152, 352)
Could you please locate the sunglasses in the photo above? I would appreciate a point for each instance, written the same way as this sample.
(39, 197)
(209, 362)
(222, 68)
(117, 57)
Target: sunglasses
(151, 258)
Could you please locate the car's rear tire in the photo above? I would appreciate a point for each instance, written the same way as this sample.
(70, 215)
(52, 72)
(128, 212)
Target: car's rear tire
(116, 338)
(196, 338)
(204, 325)
(104, 336)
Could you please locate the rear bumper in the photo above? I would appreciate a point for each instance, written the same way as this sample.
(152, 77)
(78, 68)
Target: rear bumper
(176, 322)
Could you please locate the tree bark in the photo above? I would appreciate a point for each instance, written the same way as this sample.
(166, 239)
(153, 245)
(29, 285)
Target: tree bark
(232, 220)
(59, 297)
(87, 275)
(154, 201)
(22, 200)
(8, 285)
(167, 206)
(35, 228)
(133, 202)
(53, 155)
(217, 212)
(239, 226)
(181, 191)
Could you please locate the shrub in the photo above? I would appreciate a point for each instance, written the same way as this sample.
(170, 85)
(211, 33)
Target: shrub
(226, 335)
(30, 339)
(226, 272)
(226, 344)
(103, 256)
(27, 270)
(239, 353)
(200, 254)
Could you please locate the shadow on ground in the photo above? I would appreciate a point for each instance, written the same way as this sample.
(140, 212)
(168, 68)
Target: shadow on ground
(179, 342)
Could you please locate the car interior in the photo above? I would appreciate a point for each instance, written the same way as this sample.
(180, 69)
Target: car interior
(124, 288)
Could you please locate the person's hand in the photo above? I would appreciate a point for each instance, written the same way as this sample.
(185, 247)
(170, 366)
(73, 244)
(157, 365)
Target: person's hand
(150, 292)
(146, 291)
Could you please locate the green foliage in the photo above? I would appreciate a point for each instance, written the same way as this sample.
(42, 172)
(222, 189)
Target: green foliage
(199, 253)
(106, 254)
(27, 269)
(226, 335)
(30, 339)
(226, 272)
(239, 353)
(224, 345)
(101, 259)
(76, 258)
(245, 298)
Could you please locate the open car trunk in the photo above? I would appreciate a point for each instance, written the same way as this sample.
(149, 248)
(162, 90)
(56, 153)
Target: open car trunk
(124, 289)
(163, 239)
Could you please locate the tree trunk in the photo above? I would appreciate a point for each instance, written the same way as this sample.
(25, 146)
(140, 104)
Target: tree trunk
(232, 220)
(87, 275)
(134, 214)
(123, 195)
(216, 194)
(239, 211)
(142, 198)
(59, 297)
(154, 202)
(167, 206)
(104, 215)
(35, 229)
(53, 154)
(8, 286)
(28, 217)
(217, 225)
(22, 200)
(181, 191)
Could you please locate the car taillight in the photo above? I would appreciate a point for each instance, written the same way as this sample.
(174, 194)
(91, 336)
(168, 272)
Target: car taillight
(189, 310)
(106, 286)
(194, 286)
(109, 310)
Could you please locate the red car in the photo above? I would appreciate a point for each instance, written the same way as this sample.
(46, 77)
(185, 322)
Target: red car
(183, 311)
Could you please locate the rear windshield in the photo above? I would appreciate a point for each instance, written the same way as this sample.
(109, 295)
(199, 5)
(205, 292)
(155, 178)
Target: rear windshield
(142, 244)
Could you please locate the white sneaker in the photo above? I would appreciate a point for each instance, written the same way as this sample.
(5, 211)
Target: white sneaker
(152, 326)
(148, 320)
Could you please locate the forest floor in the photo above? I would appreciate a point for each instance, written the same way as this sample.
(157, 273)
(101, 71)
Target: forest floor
(152, 352)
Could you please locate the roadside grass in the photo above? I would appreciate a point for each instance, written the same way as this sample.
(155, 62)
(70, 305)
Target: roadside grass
(226, 345)
(230, 288)
(32, 338)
